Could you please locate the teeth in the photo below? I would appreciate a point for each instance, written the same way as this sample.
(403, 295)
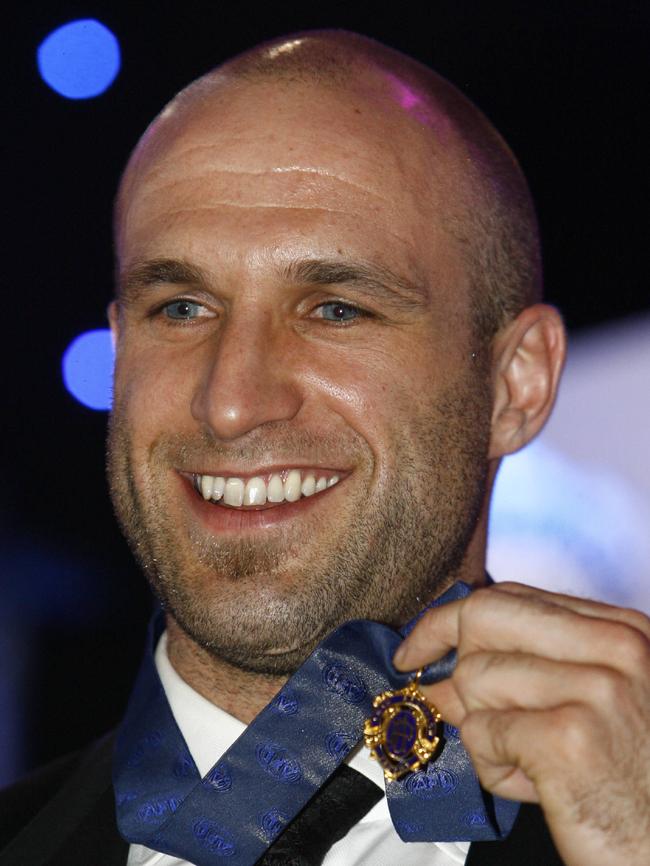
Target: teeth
(206, 486)
(234, 492)
(292, 486)
(276, 489)
(255, 491)
(217, 488)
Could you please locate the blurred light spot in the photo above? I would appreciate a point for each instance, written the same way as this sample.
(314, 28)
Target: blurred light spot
(87, 368)
(571, 527)
(80, 59)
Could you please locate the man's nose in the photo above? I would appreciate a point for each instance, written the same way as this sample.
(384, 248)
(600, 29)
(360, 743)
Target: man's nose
(250, 378)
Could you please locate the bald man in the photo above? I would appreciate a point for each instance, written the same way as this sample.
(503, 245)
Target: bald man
(328, 333)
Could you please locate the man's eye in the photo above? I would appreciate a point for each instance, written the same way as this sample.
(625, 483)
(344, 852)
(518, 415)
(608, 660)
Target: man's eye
(337, 311)
(183, 310)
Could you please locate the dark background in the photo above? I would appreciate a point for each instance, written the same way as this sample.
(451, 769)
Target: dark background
(566, 83)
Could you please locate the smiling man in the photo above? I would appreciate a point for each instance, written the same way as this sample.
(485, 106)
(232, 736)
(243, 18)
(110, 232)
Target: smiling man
(294, 313)
(329, 331)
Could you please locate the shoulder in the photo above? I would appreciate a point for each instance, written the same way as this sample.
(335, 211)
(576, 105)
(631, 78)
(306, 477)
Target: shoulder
(28, 798)
(20, 802)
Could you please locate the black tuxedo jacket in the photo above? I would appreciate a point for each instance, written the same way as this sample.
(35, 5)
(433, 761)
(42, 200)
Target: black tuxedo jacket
(64, 815)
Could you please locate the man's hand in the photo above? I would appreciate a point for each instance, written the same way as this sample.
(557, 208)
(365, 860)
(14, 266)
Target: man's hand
(552, 697)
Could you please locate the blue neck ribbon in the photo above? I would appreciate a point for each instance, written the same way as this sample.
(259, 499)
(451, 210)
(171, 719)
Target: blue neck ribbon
(282, 758)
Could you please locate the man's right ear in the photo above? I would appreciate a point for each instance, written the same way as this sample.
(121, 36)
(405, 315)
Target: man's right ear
(113, 314)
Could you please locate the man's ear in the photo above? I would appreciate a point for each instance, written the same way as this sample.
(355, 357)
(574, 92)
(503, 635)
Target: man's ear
(528, 355)
(113, 314)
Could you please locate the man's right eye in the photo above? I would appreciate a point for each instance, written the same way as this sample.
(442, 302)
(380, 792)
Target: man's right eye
(183, 310)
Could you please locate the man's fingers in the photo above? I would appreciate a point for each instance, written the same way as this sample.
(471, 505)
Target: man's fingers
(491, 680)
(585, 606)
(513, 621)
(587, 769)
(434, 635)
(550, 694)
(507, 750)
(446, 700)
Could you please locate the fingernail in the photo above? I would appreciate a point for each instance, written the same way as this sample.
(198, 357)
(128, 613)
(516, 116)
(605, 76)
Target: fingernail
(400, 656)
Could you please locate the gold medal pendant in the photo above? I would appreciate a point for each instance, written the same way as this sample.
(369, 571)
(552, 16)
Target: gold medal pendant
(402, 732)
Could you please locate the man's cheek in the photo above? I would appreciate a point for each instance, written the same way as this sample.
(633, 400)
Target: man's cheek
(147, 390)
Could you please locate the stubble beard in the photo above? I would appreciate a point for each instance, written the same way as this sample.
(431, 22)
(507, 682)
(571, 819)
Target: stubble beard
(238, 600)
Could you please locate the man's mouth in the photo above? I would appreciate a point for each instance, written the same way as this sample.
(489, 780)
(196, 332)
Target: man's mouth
(286, 485)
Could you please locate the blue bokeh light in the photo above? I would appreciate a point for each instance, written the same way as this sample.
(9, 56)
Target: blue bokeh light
(87, 368)
(80, 59)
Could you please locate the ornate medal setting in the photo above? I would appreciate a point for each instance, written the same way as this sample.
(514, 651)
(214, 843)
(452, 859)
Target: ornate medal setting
(402, 732)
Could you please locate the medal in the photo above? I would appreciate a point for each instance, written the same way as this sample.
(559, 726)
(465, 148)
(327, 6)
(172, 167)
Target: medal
(402, 732)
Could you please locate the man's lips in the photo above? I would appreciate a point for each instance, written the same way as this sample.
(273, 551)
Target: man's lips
(218, 518)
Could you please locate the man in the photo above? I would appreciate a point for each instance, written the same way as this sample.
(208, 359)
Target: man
(328, 333)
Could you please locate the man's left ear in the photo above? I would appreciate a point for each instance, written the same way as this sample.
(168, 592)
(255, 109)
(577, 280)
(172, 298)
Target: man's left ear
(527, 359)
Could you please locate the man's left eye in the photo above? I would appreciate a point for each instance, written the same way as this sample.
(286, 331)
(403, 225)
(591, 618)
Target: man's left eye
(337, 311)
(183, 310)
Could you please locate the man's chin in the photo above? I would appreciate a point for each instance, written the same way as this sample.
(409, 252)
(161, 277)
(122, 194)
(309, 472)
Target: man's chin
(256, 628)
(252, 658)
(268, 664)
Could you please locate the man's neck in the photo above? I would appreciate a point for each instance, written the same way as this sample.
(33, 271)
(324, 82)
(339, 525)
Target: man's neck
(238, 692)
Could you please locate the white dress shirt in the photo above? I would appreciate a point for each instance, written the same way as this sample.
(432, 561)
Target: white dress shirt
(209, 732)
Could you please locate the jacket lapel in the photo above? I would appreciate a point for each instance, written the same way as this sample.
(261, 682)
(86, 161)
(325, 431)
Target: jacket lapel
(77, 827)
(94, 840)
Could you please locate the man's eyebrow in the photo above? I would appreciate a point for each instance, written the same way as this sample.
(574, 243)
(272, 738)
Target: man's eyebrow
(375, 279)
(134, 283)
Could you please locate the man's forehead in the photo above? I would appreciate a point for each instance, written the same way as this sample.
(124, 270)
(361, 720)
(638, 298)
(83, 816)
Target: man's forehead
(258, 149)
(297, 145)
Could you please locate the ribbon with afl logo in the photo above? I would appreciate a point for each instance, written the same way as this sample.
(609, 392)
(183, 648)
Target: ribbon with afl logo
(290, 749)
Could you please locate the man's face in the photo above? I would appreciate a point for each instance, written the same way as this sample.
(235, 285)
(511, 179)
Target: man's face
(292, 304)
